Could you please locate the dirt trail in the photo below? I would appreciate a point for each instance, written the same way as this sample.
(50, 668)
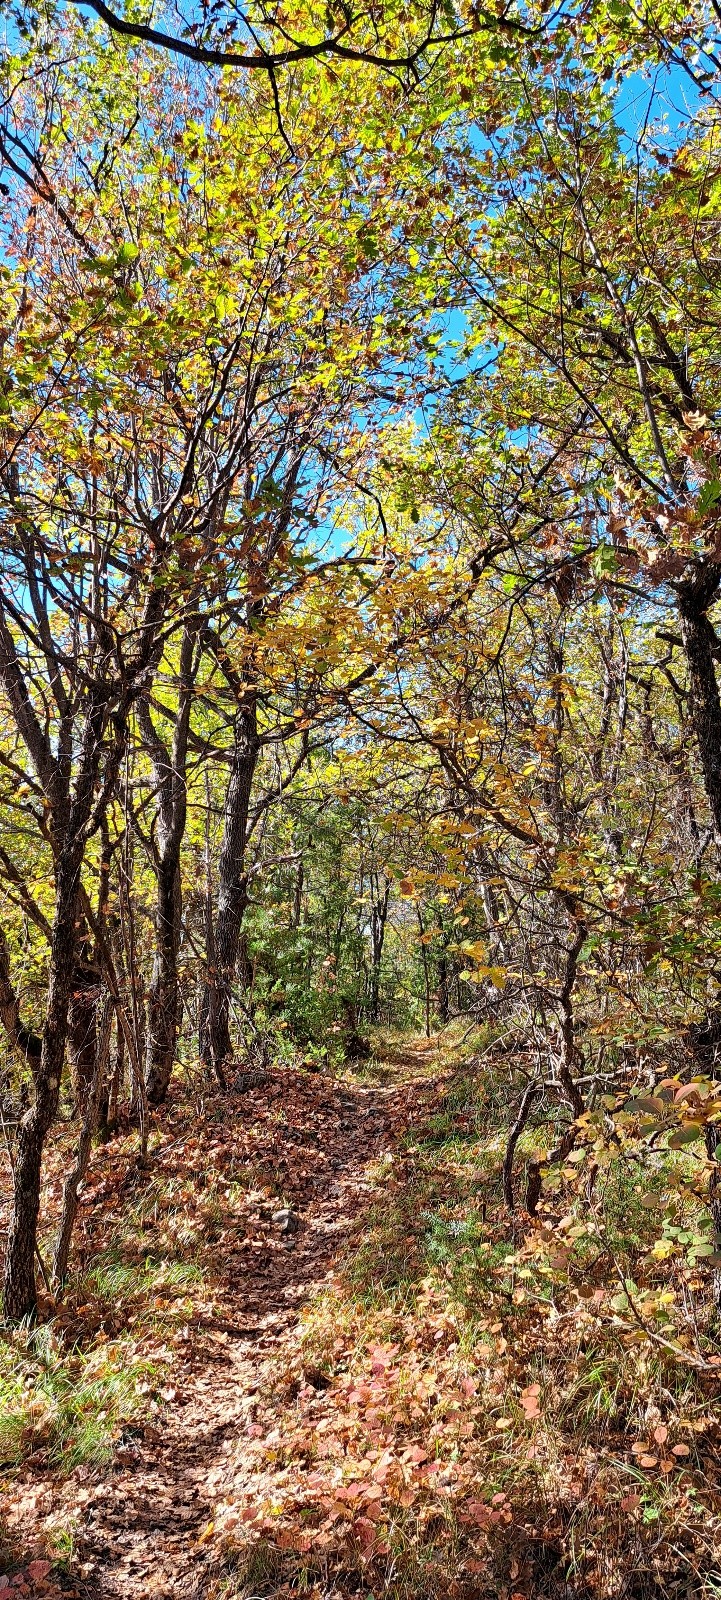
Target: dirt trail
(138, 1521)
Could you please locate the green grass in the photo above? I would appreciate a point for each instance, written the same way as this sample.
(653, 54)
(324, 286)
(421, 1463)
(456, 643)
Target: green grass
(116, 1281)
(68, 1405)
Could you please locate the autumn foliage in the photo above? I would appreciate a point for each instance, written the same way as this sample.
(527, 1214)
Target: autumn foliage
(360, 800)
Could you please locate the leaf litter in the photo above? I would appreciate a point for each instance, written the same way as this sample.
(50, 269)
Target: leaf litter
(318, 1418)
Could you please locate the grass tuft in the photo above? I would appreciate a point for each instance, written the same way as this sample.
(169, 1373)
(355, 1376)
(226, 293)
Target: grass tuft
(68, 1407)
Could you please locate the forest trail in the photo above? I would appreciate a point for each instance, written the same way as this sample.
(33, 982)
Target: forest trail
(143, 1523)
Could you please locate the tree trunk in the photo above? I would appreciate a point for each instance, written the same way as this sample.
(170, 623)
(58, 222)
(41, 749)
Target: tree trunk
(19, 1295)
(700, 645)
(379, 916)
(426, 972)
(79, 1168)
(215, 1046)
(83, 1023)
(163, 995)
(169, 772)
(108, 1117)
(443, 1001)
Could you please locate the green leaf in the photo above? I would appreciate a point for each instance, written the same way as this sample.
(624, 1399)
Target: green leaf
(709, 496)
(687, 1135)
(127, 253)
(604, 561)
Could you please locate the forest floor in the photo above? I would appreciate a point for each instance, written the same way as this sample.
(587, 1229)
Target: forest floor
(306, 1352)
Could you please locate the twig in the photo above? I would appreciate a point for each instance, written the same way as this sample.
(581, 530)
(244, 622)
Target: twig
(531, 1093)
(655, 1338)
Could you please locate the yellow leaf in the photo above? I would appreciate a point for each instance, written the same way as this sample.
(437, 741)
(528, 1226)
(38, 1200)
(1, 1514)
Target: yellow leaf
(475, 949)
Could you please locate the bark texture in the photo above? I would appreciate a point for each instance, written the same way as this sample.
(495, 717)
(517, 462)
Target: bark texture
(19, 1294)
(170, 777)
(80, 1165)
(215, 1043)
(83, 1024)
(700, 647)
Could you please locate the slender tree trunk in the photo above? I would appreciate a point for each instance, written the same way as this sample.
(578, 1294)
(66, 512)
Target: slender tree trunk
(207, 983)
(571, 1057)
(700, 645)
(443, 1001)
(215, 1045)
(169, 771)
(128, 967)
(426, 973)
(79, 1168)
(297, 908)
(379, 917)
(19, 1297)
(83, 1023)
(443, 997)
(163, 995)
(109, 1114)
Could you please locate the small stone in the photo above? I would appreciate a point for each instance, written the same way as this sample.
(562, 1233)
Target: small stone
(286, 1220)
